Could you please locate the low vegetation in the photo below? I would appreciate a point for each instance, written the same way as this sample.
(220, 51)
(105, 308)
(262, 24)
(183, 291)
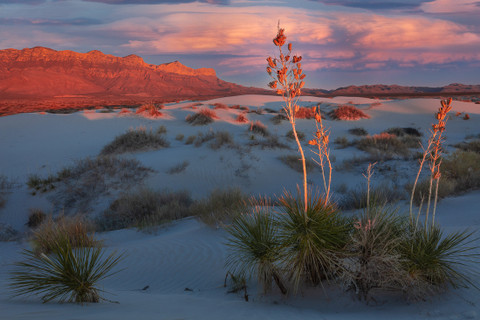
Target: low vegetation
(68, 274)
(202, 117)
(75, 230)
(221, 206)
(145, 208)
(135, 140)
(179, 168)
(295, 163)
(289, 135)
(258, 127)
(358, 132)
(150, 109)
(6, 186)
(349, 113)
(385, 145)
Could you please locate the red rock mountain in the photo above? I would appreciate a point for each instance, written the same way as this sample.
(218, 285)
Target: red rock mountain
(44, 73)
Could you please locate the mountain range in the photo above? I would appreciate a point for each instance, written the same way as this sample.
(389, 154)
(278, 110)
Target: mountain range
(40, 78)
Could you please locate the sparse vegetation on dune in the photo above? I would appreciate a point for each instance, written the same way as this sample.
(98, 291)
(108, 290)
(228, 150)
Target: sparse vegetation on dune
(150, 109)
(349, 113)
(135, 140)
(145, 208)
(221, 206)
(385, 143)
(358, 131)
(203, 117)
(258, 127)
(6, 186)
(295, 163)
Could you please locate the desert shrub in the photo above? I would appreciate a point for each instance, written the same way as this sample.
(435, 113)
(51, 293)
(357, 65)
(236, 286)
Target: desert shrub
(258, 127)
(466, 116)
(68, 274)
(221, 138)
(75, 230)
(87, 179)
(202, 117)
(348, 113)
(305, 113)
(241, 118)
(134, 141)
(435, 261)
(463, 167)
(374, 260)
(312, 240)
(296, 164)
(7, 232)
(473, 146)
(270, 142)
(254, 247)
(38, 184)
(201, 138)
(384, 143)
(36, 217)
(178, 168)
(150, 109)
(161, 130)
(221, 206)
(279, 118)
(342, 142)
(358, 131)
(190, 139)
(401, 132)
(220, 106)
(125, 111)
(179, 137)
(380, 195)
(145, 207)
(300, 134)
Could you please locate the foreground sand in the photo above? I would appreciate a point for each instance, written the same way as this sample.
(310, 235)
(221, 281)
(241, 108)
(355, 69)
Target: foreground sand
(189, 254)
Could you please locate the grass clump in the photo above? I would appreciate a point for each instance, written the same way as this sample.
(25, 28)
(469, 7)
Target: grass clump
(241, 118)
(69, 274)
(36, 217)
(300, 134)
(190, 139)
(270, 142)
(380, 195)
(161, 130)
(181, 167)
(5, 187)
(202, 117)
(258, 127)
(179, 137)
(401, 132)
(358, 132)
(134, 140)
(150, 109)
(144, 208)
(342, 142)
(349, 113)
(221, 206)
(374, 253)
(277, 119)
(296, 164)
(473, 146)
(75, 230)
(386, 144)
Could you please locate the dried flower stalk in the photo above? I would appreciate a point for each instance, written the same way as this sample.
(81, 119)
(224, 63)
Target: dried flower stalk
(287, 74)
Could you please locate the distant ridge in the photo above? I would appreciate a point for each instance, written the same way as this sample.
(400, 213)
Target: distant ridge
(396, 90)
(44, 73)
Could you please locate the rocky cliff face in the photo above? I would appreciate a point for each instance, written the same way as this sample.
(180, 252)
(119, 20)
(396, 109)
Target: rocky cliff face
(44, 72)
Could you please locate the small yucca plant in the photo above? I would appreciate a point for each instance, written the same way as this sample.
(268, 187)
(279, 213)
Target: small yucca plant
(312, 236)
(435, 261)
(254, 247)
(68, 274)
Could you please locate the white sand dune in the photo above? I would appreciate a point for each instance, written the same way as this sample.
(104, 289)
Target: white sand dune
(177, 271)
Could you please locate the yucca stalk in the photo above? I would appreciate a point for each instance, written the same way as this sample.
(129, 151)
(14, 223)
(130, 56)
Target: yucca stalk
(254, 247)
(321, 140)
(287, 75)
(68, 274)
(312, 240)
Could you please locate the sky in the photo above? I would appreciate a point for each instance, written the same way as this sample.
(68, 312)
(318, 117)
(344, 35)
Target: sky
(343, 42)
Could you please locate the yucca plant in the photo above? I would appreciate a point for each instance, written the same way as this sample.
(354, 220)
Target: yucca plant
(374, 260)
(313, 237)
(255, 248)
(68, 274)
(435, 261)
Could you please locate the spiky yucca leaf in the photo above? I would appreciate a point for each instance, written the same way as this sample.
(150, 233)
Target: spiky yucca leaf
(254, 247)
(68, 274)
(313, 240)
(435, 261)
